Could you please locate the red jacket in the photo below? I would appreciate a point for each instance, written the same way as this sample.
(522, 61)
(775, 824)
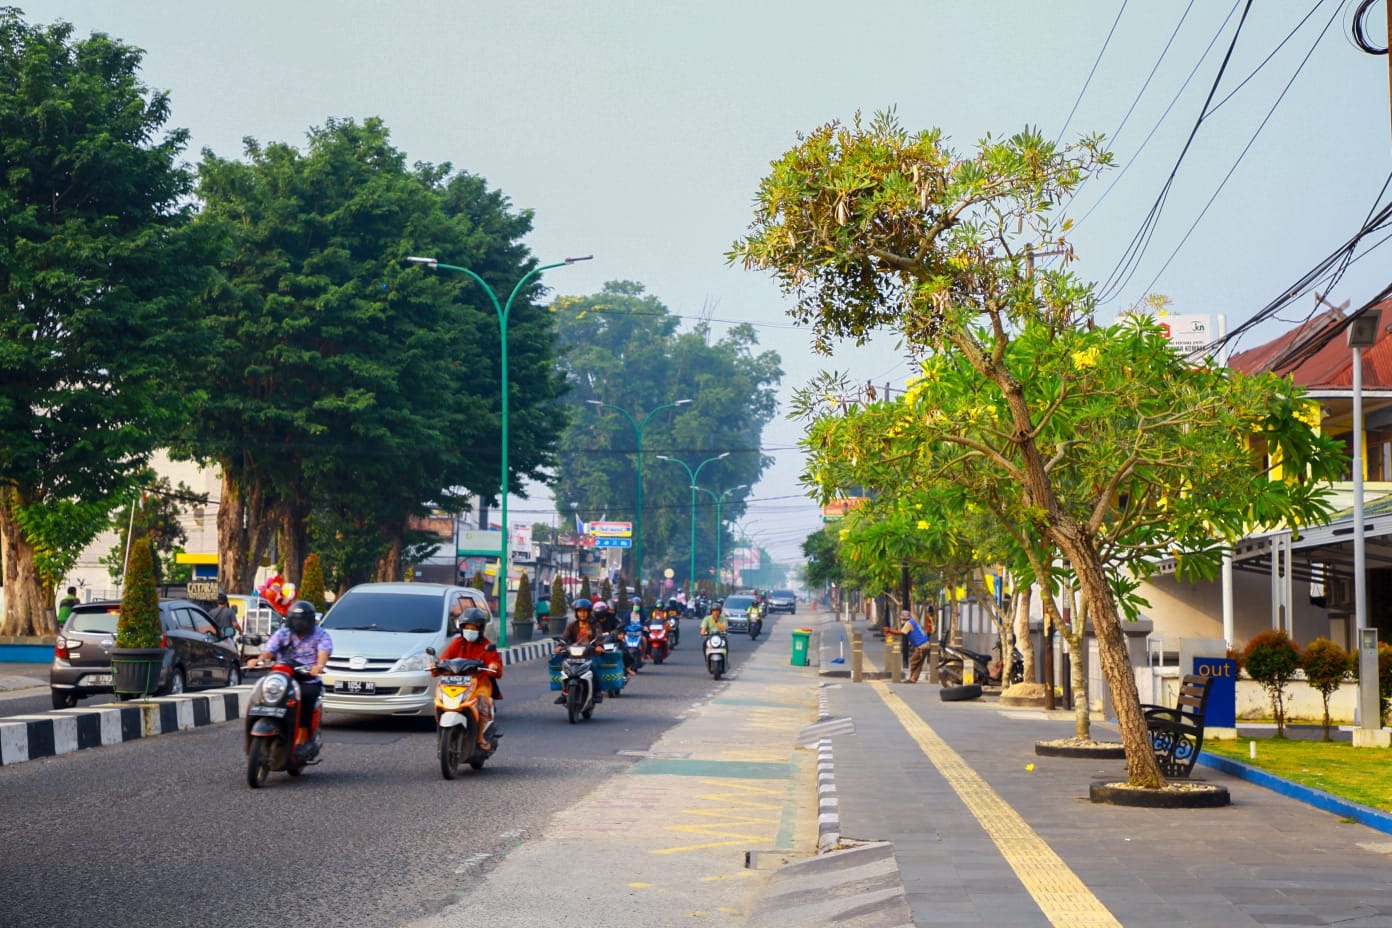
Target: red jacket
(478, 651)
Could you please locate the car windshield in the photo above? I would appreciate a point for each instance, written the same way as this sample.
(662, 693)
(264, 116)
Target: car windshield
(97, 621)
(410, 613)
(738, 602)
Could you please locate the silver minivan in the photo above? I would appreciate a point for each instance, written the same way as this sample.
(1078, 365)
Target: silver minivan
(380, 632)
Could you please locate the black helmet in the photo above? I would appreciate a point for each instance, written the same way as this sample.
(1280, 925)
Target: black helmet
(718, 606)
(673, 604)
(301, 617)
(474, 617)
(579, 604)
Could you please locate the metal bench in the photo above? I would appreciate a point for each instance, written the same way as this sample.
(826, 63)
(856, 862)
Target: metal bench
(1176, 735)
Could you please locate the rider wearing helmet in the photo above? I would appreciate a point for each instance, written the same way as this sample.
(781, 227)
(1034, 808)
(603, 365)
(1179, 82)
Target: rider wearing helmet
(714, 621)
(300, 641)
(583, 629)
(471, 644)
(605, 617)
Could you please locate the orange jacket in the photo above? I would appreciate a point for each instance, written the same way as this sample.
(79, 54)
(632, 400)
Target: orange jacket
(477, 651)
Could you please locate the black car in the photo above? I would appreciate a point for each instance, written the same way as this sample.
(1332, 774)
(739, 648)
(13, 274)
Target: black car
(194, 653)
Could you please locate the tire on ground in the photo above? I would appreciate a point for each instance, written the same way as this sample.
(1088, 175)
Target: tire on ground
(960, 693)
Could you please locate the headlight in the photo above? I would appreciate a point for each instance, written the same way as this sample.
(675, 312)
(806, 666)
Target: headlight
(410, 662)
(273, 687)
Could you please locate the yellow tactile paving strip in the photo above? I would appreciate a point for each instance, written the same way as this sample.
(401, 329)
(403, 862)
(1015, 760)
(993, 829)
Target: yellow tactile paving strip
(1063, 898)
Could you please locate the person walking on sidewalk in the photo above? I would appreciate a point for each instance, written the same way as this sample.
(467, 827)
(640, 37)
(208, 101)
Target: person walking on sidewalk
(920, 640)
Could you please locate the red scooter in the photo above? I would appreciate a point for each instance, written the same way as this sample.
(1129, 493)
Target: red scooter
(276, 739)
(657, 640)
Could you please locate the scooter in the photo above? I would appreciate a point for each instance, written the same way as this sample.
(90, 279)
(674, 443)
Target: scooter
(657, 640)
(634, 643)
(716, 654)
(275, 737)
(673, 629)
(460, 690)
(756, 624)
(579, 680)
(987, 672)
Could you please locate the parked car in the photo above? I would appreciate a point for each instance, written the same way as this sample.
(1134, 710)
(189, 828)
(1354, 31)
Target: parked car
(380, 632)
(782, 601)
(736, 612)
(195, 655)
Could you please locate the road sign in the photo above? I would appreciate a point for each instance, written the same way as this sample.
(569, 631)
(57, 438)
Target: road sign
(611, 530)
(613, 542)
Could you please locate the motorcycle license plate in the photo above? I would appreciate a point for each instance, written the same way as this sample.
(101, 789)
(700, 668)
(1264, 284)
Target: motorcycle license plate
(275, 712)
(355, 686)
(455, 681)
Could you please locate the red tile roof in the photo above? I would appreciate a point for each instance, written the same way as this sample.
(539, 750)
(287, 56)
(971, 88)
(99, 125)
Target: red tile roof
(1329, 366)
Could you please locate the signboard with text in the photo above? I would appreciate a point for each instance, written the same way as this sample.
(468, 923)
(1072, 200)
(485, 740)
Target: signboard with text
(1189, 333)
(1221, 709)
(613, 542)
(610, 529)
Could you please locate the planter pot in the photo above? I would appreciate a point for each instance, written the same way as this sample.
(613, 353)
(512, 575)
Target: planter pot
(521, 632)
(1182, 794)
(1094, 750)
(136, 671)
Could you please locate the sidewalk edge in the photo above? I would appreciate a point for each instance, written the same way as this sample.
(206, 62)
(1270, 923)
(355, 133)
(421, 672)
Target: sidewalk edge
(1363, 815)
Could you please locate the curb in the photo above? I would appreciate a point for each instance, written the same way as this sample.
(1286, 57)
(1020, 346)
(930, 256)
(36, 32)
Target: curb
(1375, 819)
(828, 806)
(63, 731)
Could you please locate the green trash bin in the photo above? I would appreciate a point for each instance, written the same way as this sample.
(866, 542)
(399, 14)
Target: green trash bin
(802, 637)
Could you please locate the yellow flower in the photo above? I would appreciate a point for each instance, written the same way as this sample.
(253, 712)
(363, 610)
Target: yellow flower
(1085, 358)
(923, 524)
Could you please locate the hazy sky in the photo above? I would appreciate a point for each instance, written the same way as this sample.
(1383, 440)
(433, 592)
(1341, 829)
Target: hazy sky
(638, 131)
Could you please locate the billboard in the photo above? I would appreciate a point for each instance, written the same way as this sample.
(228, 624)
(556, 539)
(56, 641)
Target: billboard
(1189, 333)
(610, 529)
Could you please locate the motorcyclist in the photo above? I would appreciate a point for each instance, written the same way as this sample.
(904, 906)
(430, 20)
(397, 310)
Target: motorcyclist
(714, 620)
(300, 641)
(583, 630)
(471, 644)
(605, 617)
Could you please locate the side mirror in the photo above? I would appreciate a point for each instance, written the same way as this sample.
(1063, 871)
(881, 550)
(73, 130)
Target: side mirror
(227, 633)
(491, 647)
(430, 651)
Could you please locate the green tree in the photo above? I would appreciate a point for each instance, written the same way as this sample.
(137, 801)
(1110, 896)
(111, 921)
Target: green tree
(311, 587)
(622, 347)
(138, 625)
(1326, 666)
(522, 605)
(99, 274)
(606, 590)
(871, 227)
(351, 390)
(155, 512)
(585, 592)
(558, 600)
(1272, 659)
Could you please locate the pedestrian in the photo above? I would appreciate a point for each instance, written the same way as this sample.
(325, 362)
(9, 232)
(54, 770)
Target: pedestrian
(919, 637)
(225, 617)
(65, 605)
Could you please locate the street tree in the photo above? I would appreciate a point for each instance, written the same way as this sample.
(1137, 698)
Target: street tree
(870, 228)
(99, 272)
(155, 511)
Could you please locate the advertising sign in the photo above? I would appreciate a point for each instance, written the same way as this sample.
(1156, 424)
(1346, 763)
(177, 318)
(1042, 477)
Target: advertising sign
(836, 509)
(611, 529)
(521, 539)
(473, 541)
(1189, 334)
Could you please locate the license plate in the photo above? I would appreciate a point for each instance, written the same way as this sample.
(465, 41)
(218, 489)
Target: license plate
(276, 712)
(453, 681)
(97, 679)
(355, 686)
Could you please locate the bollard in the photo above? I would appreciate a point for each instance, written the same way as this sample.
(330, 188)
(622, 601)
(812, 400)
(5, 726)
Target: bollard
(892, 658)
(933, 657)
(857, 658)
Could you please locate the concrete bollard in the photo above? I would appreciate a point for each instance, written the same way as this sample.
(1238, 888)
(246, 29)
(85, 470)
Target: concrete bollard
(857, 658)
(933, 658)
(892, 660)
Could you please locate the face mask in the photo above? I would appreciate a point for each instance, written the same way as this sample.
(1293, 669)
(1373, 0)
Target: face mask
(471, 634)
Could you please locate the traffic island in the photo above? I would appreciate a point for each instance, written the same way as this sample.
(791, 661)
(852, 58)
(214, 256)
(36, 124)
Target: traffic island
(1183, 795)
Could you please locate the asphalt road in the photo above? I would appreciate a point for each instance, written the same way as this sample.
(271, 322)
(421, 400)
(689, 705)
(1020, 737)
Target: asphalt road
(166, 832)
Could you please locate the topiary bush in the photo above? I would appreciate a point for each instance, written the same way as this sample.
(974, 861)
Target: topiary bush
(1272, 659)
(312, 583)
(1385, 678)
(522, 605)
(1326, 665)
(558, 607)
(606, 590)
(585, 590)
(139, 624)
(623, 607)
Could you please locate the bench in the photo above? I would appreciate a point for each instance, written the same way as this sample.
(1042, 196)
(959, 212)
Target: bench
(1176, 735)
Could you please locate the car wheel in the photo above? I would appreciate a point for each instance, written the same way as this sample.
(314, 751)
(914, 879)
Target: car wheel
(176, 682)
(234, 676)
(64, 699)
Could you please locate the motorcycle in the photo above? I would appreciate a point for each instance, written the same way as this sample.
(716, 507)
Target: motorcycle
(275, 737)
(717, 652)
(634, 643)
(608, 646)
(657, 641)
(986, 671)
(579, 680)
(460, 683)
(756, 623)
(673, 629)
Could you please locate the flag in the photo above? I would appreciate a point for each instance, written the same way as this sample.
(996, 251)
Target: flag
(580, 526)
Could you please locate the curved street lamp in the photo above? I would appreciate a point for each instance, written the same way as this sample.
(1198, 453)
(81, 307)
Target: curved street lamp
(503, 311)
(719, 525)
(693, 474)
(638, 431)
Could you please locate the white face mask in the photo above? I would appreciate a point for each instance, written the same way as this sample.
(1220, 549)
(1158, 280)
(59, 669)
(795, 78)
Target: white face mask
(471, 634)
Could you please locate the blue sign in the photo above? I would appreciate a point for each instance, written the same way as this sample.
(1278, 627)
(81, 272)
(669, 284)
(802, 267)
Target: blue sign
(602, 542)
(1221, 709)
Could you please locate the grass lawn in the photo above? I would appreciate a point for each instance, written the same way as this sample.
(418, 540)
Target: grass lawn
(1358, 774)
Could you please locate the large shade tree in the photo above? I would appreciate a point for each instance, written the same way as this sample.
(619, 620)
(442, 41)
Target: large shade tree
(98, 273)
(871, 227)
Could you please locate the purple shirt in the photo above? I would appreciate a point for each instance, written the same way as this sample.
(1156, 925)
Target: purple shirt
(299, 650)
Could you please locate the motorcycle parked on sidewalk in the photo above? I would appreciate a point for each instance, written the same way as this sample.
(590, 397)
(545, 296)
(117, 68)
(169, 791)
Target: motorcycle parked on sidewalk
(276, 738)
(657, 641)
(461, 688)
(579, 673)
(953, 659)
(717, 654)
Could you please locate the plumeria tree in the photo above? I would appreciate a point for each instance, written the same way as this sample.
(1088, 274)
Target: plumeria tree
(1100, 439)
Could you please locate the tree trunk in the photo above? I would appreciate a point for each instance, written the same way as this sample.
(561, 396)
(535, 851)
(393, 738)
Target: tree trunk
(389, 564)
(1022, 636)
(1075, 633)
(29, 603)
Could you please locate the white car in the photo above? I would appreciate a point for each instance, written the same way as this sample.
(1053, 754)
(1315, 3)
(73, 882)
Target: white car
(380, 632)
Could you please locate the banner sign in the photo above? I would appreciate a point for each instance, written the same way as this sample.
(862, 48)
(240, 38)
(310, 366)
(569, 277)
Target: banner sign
(611, 530)
(1188, 333)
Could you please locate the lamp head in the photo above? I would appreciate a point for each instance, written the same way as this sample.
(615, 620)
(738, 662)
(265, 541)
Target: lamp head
(682, 402)
(1363, 329)
(578, 260)
(430, 262)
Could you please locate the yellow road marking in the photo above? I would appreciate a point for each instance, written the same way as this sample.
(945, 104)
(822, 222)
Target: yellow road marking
(1064, 899)
(640, 885)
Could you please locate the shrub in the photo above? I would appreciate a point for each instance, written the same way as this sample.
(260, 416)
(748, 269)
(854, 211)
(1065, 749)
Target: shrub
(606, 590)
(1326, 665)
(312, 583)
(1385, 678)
(139, 624)
(479, 582)
(586, 591)
(623, 606)
(1271, 659)
(522, 606)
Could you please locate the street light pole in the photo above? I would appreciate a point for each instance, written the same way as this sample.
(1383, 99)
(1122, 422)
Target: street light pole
(719, 525)
(503, 311)
(693, 474)
(638, 431)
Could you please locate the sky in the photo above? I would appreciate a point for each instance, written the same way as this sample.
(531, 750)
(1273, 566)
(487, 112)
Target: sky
(638, 132)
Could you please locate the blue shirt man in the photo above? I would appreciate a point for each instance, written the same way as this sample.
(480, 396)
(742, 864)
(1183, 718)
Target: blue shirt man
(920, 641)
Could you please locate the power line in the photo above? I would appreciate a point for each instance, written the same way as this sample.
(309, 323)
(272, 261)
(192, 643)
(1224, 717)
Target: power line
(1102, 51)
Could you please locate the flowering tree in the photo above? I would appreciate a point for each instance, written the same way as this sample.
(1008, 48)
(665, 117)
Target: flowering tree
(1100, 440)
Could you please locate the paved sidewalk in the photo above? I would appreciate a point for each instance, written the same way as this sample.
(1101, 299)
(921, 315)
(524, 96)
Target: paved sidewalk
(16, 675)
(958, 790)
